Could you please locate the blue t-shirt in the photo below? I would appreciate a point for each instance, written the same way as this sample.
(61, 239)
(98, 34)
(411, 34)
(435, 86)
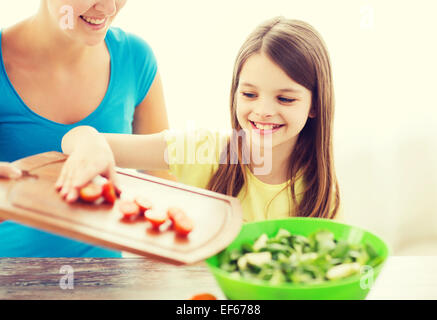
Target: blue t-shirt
(24, 133)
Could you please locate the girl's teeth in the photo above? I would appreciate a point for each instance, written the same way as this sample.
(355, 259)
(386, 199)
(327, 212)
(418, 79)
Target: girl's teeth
(266, 127)
(93, 21)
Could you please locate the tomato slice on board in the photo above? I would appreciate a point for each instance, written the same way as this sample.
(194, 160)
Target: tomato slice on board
(175, 213)
(182, 224)
(156, 218)
(91, 192)
(203, 296)
(143, 203)
(129, 209)
(109, 192)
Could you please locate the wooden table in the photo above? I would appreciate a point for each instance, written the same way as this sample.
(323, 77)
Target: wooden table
(141, 278)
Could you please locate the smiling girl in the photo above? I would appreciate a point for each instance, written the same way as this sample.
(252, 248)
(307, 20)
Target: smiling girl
(282, 103)
(61, 68)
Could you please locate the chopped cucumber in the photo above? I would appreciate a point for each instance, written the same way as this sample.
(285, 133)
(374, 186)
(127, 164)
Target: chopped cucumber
(343, 270)
(259, 258)
(261, 242)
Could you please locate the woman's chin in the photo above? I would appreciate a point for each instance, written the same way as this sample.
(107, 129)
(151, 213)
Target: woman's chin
(93, 38)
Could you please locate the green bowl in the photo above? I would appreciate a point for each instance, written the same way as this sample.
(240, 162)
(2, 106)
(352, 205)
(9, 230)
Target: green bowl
(352, 288)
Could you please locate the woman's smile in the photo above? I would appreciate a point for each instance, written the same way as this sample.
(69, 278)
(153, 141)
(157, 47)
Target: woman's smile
(94, 23)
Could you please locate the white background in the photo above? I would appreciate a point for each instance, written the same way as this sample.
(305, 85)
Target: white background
(384, 62)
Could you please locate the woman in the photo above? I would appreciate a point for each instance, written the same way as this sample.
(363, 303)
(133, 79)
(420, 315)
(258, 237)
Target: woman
(62, 68)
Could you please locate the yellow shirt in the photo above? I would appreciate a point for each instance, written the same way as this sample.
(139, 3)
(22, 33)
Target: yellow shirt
(193, 158)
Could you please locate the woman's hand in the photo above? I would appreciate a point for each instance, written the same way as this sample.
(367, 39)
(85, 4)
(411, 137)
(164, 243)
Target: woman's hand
(90, 156)
(9, 171)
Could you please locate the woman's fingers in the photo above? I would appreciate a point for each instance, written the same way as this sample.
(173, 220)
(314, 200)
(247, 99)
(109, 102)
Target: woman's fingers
(9, 171)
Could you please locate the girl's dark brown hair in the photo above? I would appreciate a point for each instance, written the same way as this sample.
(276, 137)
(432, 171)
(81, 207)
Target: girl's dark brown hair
(298, 49)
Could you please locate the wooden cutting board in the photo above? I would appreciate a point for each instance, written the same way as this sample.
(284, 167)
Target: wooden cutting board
(33, 200)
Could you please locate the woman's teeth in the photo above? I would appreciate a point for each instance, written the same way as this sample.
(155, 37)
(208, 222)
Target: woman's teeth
(93, 21)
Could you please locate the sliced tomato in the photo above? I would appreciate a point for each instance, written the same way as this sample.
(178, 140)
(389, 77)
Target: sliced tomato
(143, 203)
(155, 217)
(175, 213)
(183, 226)
(203, 296)
(109, 192)
(129, 209)
(91, 192)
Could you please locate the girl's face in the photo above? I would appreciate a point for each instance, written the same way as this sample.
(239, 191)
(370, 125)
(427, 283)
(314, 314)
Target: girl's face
(84, 20)
(269, 102)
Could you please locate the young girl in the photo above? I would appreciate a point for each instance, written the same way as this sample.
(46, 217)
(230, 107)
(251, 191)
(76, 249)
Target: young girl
(282, 103)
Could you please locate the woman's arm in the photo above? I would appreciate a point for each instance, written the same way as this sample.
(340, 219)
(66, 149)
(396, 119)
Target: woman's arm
(151, 117)
(92, 154)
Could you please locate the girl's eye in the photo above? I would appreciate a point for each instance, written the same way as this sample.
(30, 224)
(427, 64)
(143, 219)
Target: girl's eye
(248, 95)
(286, 100)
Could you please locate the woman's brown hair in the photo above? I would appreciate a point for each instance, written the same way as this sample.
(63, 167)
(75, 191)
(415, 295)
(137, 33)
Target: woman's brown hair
(298, 49)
